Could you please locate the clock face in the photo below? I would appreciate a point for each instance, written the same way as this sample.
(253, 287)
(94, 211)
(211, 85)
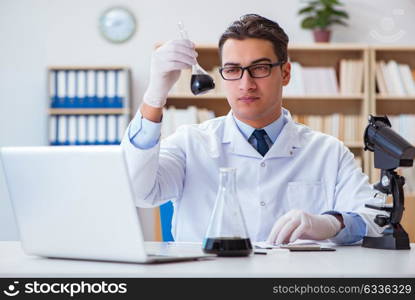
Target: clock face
(117, 24)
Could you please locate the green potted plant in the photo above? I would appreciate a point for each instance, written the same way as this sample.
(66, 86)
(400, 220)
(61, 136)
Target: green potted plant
(320, 15)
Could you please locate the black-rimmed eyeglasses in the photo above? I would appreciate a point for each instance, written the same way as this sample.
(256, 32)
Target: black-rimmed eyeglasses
(255, 71)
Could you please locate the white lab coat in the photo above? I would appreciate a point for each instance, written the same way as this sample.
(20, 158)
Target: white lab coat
(303, 169)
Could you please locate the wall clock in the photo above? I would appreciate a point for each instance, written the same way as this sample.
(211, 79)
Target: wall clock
(117, 24)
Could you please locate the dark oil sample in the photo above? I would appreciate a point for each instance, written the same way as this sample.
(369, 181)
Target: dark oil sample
(228, 246)
(201, 83)
(227, 234)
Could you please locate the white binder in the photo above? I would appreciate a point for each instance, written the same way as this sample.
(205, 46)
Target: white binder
(82, 120)
(102, 132)
(72, 132)
(91, 137)
(63, 130)
(112, 129)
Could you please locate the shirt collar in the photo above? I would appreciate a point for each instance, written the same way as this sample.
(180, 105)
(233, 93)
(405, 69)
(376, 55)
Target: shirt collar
(273, 130)
(290, 139)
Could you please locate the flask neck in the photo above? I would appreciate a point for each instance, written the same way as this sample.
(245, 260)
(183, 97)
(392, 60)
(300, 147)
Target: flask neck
(227, 180)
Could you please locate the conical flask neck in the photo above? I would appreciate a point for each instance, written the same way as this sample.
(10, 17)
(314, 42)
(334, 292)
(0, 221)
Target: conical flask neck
(227, 181)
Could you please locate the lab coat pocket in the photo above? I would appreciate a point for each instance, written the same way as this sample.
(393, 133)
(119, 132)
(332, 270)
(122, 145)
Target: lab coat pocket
(307, 196)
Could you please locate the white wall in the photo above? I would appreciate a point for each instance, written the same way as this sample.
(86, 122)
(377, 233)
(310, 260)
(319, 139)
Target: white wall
(22, 87)
(40, 33)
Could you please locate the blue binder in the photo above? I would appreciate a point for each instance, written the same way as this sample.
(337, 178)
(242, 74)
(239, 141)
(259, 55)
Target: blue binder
(54, 140)
(91, 100)
(66, 100)
(111, 81)
(117, 99)
(81, 100)
(166, 214)
(67, 130)
(54, 98)
(61, 99)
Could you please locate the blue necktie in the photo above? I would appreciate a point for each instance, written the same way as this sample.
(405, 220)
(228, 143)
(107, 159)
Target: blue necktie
(262, 145)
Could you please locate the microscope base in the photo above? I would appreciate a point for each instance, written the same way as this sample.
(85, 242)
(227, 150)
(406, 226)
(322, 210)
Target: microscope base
(395, 240)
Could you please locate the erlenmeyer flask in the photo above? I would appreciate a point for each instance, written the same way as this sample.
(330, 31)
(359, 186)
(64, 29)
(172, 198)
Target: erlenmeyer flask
(227, 234)
(201, 81)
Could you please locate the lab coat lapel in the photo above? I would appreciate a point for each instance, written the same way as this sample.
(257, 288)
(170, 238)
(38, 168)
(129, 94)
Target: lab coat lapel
(286, 145)
(237, 143)
(287, 142)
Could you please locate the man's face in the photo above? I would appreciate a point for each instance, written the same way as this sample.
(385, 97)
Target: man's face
(256, 101)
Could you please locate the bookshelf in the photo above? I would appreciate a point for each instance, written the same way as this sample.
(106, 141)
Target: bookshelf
(317, 104)
(393, 102)
(88, 105)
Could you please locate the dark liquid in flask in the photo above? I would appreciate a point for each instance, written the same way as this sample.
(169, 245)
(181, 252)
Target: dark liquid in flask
(201, 83)
(228, 246)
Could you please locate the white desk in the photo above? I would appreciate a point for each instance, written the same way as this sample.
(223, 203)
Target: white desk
(352, 261)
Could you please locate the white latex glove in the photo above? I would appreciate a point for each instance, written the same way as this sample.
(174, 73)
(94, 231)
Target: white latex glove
(166, 63)
(298, 224)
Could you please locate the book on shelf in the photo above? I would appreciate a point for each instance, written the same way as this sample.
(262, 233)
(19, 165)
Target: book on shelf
(394, 79)
(380, 78)
(174, 117)
(404, 124)
(323, 80)
(408, 82)
(81, 88)
(65, 130)
(311, 81)
(296, 84)
(351, 76)
(345, 127)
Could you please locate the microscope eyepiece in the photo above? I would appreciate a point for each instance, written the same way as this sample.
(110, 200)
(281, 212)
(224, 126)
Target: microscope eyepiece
(391, 149)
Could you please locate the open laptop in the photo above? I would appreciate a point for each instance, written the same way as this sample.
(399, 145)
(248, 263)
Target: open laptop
(77, 202)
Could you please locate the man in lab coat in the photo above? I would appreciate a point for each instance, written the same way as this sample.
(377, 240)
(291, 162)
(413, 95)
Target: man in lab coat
(293, 182)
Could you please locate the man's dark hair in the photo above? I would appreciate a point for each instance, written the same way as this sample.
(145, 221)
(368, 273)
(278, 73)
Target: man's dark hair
(255, 26)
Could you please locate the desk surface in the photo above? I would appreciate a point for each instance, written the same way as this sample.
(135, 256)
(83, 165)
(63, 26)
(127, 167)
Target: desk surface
(347, 261)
